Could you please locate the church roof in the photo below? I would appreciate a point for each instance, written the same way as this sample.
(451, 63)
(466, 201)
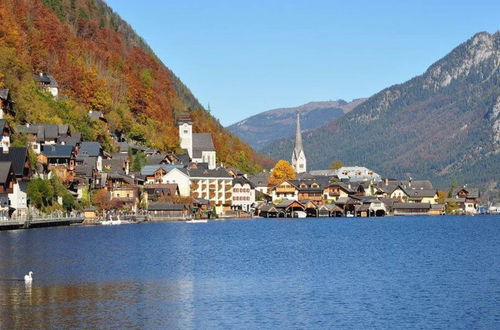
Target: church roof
(202, 142)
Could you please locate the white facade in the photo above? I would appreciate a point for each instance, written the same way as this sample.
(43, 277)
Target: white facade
(186, 137)
(217, 190)
(243, 196)
(18, 200)
(181, 179)
(208, 157)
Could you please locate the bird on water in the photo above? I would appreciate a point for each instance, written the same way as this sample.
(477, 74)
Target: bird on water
(28, 278)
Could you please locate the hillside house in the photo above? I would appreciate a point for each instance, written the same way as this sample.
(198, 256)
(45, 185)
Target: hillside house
(6, 103)
(47, 83)
(470, 198)
(59, 159)
(43, 134)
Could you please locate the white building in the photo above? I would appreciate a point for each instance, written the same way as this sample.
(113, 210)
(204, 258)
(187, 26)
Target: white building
(299, 162)
(243, 194)
(199, 146)
(213, 185)
(180, 177)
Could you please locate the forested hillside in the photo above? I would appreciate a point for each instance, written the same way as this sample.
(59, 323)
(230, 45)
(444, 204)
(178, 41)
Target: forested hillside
(100, 64)
(441, 125)
(269, 126)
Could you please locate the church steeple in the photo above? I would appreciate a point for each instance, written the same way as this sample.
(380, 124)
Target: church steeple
(298, 157)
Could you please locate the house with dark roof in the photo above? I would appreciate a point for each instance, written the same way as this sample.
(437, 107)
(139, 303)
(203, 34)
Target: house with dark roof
(47, 83)
(470, 198)
(199, 146)
(58, 159)
(43, 134)
(92, 149)
(20, 161)
(160, 191)
(243, 194)
(6, 103)
(285, 190)
(167, 210)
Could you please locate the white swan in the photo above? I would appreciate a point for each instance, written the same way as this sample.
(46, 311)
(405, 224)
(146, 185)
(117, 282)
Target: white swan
(28, 278)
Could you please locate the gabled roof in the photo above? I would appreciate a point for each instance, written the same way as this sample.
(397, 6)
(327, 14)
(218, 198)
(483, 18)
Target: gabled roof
(57, 150)
(46, 80)
(18, 157)
(202, 142)
(259, 179)
(151, 169)
(74, 139)
(470, 192)
(242, 180)
(5, 170)
(90, 149)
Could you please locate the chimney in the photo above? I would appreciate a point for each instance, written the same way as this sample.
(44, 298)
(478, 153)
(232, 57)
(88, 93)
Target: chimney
(409, 183)
(386, 181)
(27, 124)
(41, 74)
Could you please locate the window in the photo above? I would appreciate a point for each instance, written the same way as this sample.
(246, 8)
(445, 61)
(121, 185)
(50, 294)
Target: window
(186, 131)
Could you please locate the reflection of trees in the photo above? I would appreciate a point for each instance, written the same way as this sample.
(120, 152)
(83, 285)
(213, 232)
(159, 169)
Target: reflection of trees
(94, 305)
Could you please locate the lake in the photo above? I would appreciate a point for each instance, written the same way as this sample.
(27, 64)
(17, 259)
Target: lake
(357, 273)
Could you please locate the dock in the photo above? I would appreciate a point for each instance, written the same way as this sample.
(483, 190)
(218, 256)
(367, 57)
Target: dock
(39, 221)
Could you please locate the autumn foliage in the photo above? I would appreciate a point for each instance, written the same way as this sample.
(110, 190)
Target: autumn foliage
(282, 171)
(100, 64)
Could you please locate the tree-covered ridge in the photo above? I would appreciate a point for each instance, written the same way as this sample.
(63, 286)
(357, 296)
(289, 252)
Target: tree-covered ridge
(438, 125)
(100, 64)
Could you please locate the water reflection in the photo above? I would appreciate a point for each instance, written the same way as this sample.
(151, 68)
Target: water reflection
(97, 305)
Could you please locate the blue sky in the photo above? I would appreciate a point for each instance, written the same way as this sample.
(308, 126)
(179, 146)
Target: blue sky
(245, 57)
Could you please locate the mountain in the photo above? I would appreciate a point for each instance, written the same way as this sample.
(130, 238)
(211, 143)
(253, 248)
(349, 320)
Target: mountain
(269, 126)
(440, 125)
(100, 64)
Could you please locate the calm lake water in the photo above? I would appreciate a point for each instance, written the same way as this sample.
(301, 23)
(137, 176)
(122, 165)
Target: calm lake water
(393, 272)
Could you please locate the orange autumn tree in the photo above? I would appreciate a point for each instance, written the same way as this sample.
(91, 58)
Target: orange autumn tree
(282, 171)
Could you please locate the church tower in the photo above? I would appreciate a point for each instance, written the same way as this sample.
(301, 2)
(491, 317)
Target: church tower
(298, 157)
(186, 133)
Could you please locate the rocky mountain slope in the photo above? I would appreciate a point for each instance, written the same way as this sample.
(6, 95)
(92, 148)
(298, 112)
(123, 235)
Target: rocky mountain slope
(100, 64)
(442, 124)
(269, 126)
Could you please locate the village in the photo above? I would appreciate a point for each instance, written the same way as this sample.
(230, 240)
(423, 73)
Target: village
(52, 170)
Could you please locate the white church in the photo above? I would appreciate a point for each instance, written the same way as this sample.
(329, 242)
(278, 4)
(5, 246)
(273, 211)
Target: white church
(199, 146)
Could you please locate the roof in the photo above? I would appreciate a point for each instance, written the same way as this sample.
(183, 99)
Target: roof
(471, 192)
(57, 150)
(46, 80)
(242, 180)
(204, 173)
(5, 168)
(411, 206)
(420, 193)
(42, 131)
(155, 159)
(90, 148)
(165, 206)
(202, 142)
(259, 179)
(3, 123)
(4, 93)
(76, 137)
(16, 155)
(150, 169)
(268, 208)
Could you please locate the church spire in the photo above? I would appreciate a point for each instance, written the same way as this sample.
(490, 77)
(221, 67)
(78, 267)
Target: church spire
(298, 156)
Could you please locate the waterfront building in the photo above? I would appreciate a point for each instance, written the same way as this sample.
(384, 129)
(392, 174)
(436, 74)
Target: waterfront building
(243, 194)
(214, 185)
(299, 162)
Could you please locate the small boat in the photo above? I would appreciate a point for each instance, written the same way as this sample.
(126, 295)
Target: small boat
(299, 214)
(350, 215)
(197, 221)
